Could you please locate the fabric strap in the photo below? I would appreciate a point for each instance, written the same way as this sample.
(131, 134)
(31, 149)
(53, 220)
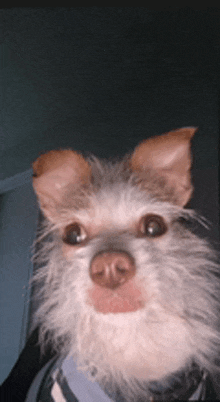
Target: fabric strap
(61, 381)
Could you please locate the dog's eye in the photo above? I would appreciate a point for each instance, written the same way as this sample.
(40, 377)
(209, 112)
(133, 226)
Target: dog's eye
(152, 226)
(74, 234)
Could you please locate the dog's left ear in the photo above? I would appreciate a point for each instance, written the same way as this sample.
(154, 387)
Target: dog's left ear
(53, 172)
(170, 155)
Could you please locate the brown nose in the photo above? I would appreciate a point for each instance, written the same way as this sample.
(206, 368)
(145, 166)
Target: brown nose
(111, 269)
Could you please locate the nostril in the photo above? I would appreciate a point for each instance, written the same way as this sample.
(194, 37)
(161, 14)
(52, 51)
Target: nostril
(121, 269)
(100, 273)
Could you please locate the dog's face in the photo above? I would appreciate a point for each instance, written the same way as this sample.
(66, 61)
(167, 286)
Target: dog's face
(126, 288)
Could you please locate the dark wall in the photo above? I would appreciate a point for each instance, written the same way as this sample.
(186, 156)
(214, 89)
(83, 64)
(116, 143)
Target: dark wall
(100, 79)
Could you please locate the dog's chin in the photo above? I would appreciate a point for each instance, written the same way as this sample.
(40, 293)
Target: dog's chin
(132, 343)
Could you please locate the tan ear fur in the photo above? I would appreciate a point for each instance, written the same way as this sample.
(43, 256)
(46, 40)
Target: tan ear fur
(53, 172)
(170, 155)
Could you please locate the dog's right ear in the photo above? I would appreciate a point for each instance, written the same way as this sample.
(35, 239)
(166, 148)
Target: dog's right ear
(53, 172)
(170, 155)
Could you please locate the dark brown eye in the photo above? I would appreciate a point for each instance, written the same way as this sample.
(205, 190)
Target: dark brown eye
(74, 234)
(152, 226)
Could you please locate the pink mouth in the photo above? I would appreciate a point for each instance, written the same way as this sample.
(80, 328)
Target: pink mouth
(126, 298)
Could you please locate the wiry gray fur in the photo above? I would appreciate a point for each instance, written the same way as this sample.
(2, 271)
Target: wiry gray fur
(178, 271)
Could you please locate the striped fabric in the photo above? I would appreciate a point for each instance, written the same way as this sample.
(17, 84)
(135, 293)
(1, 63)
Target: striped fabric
(64, 383)
(56, 389)
(60, 381)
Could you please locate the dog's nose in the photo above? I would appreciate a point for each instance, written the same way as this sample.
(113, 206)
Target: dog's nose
(112, 269)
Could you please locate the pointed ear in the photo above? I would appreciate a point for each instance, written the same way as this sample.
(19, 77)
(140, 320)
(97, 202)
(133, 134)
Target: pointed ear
(170, 155)
(53, 172)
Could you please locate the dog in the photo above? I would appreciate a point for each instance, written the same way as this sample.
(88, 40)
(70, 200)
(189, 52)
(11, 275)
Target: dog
(128, 293)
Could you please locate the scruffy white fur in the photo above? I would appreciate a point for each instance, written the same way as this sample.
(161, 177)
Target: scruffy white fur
(177, 273)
